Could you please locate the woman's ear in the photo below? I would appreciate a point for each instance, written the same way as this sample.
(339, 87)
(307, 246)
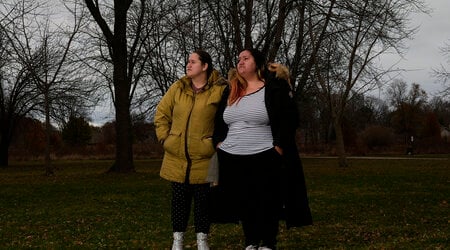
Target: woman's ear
(205, 67)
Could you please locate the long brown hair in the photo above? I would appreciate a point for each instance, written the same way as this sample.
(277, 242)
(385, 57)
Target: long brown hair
(238, 84)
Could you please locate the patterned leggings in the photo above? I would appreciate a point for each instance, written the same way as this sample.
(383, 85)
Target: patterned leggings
(182, 195)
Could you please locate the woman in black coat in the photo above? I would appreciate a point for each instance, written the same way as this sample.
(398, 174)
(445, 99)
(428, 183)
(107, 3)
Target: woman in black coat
(259, 188)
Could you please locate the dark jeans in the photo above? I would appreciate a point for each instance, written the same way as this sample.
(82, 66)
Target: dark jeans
(253, 180)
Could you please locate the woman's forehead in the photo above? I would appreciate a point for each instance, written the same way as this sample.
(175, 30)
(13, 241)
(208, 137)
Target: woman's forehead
(194, 56)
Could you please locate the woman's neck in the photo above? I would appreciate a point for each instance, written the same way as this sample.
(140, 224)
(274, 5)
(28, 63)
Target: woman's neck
(252, 78)
(199, 82)
(253, 85)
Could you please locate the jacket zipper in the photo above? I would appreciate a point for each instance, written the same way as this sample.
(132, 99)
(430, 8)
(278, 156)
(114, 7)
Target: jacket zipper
(188, 158)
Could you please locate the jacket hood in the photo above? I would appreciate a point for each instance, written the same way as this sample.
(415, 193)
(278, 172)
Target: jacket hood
(232, 73)
(280, 71)
(216, 79)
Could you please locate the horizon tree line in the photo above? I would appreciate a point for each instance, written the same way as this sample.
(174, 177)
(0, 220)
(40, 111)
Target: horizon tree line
(130, 52)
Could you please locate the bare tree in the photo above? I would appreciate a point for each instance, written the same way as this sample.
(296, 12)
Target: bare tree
(124, 50)
(441, 107)
(397, 93)
(309, 27)
(361, 31)
(442, 73)
(169, 29)
(43, 49)
(408, 107)
(17, 95)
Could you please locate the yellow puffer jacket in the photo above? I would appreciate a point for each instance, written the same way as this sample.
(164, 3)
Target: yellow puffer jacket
(184, 123)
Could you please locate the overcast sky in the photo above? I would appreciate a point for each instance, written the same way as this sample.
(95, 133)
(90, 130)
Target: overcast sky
(424, 50)
(422, 56)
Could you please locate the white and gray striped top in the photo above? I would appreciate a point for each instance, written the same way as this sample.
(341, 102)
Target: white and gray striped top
(248, 126)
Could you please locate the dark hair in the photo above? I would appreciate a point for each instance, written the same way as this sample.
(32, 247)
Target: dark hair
(260, 58)
(205, 58)
(239, 84)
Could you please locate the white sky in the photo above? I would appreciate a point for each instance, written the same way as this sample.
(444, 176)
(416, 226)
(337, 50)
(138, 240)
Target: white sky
(423, 54)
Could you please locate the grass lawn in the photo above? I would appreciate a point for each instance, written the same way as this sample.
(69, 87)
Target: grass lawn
(373, 204)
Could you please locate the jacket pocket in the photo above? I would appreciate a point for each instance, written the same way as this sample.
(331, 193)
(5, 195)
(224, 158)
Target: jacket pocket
(173, 143)
(204, 149)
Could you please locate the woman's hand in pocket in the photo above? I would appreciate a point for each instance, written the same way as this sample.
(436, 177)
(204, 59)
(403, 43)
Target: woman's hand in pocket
(279, 150)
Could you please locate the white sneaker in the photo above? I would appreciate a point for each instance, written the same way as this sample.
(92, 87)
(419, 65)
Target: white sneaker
(251, 247)
(202, 241)
(178, 238)
(264, 248)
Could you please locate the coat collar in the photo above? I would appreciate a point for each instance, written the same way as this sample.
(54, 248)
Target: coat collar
(214, 79)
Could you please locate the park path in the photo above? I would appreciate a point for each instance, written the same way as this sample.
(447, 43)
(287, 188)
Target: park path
(381, 157)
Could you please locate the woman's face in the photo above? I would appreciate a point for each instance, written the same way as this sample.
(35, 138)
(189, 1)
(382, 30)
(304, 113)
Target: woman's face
(195, 67)
(246, 63)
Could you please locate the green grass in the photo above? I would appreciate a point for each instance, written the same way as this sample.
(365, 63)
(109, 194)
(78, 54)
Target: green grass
(373, 204)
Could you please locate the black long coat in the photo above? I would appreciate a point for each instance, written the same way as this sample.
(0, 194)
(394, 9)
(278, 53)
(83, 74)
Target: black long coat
(283, 116)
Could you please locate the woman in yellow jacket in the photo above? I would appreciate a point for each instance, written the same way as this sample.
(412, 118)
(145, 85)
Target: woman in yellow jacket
(184, 122)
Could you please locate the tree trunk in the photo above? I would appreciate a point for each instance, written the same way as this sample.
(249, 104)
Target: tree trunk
(124, 144)
(49, 171)
(236, 24)
(122, 85)
(5, 140)
(340, 148)
(278, 34)
(4, 156)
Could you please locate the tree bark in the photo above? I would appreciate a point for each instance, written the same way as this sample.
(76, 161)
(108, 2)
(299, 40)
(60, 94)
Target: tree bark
(124, 148)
